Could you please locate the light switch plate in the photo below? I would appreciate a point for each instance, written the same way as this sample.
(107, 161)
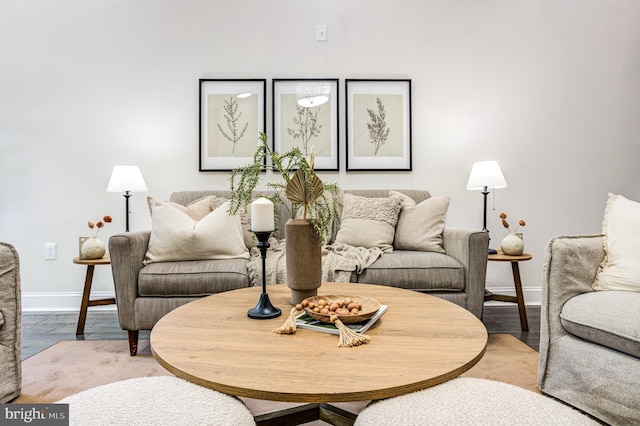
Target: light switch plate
(321, 32)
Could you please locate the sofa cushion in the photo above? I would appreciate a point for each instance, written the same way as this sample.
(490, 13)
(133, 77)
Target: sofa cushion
(420, 226)
(368, 222)
(620, 268)
(416, 270)
(175, 236)
(245, 220)
(609, 318)
(192, 278)
(196, 210)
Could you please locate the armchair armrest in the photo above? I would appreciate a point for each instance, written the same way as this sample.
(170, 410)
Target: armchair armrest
(127, 253)
(470, 248)
(569, 269)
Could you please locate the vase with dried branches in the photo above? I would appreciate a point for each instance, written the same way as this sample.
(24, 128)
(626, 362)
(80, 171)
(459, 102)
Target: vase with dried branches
(312, 207)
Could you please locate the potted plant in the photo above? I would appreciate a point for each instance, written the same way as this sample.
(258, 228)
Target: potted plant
(312, 207)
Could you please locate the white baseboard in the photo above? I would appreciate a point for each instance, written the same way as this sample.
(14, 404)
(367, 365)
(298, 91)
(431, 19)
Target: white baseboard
(70, 301)
(62, 301)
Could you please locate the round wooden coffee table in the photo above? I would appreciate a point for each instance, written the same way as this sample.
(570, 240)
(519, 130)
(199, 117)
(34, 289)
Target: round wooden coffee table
(421, 341)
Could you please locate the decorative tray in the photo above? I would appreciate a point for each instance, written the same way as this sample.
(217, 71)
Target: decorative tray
(328, 308)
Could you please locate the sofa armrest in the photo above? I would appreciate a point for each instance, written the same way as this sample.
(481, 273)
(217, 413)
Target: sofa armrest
(470, 248)
(127, 253)
(569, 269)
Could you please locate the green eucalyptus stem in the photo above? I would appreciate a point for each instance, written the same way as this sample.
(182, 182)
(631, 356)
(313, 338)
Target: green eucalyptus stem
(243, 181)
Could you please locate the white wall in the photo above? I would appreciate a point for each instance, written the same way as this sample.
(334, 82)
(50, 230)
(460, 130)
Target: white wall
(549, 88)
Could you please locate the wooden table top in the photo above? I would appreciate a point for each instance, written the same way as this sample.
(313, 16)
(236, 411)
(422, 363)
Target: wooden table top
(105, 260)
(421, 341)
(501, 257)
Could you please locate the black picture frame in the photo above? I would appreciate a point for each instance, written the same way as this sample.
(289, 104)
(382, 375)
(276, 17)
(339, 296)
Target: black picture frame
(232, 114)
(305, 115)
(378, 125)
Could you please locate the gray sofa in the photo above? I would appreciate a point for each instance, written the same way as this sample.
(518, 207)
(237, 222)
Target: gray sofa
(589, 340)
(10, 324)
(145, 293)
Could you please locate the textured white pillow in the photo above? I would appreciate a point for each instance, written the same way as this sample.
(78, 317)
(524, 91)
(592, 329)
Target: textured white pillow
(620, 268)
(175, 236)
(420, 226)
(368, 222)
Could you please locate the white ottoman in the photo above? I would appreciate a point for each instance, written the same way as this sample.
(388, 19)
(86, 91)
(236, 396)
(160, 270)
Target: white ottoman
(470, 401)
(163, 400)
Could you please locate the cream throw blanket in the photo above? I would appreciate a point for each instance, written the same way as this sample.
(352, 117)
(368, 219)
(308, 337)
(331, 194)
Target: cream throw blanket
(338, 262)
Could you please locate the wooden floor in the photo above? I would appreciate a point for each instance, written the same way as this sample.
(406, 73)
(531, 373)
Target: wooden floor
(41, 330)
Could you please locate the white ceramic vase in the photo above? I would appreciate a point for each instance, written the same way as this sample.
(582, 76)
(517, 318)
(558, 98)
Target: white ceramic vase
(512, 245)
(93, 248)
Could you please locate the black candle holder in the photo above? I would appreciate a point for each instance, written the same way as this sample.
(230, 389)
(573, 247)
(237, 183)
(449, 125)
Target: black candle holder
(264, 309)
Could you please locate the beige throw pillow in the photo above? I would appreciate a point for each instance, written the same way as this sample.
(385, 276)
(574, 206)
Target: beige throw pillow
(175, 236)
(620, 268)
(420, 226)
(368, 222)
(196, 210)
(245, 220)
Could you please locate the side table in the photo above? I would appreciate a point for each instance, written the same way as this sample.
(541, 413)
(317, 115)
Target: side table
(519, 297)
(91, 264)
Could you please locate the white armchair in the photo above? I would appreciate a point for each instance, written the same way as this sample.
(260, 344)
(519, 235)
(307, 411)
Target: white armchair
(589, 340)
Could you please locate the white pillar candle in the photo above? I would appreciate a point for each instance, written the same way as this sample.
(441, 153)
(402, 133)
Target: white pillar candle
(262, 219)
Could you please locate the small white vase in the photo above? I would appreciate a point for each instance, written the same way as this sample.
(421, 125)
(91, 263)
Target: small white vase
(93, 248)
(512, 245)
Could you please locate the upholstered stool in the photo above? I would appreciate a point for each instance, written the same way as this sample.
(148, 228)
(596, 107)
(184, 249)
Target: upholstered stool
(163, 400)
(470, 401)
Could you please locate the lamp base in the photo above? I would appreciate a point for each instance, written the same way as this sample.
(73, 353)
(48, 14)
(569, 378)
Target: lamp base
(264, 309)
(493, 251)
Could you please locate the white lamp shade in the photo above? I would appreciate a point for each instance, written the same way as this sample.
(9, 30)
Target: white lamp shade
(126, 178)
(486, 173)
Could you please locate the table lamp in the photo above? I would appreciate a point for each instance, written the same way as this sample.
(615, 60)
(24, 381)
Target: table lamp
(483, 175)
(126, 179)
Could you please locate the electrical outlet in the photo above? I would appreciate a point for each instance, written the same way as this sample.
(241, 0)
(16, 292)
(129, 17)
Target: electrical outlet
(321, 33)
(50, 251)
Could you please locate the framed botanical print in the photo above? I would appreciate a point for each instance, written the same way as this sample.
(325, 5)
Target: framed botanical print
(378, 125)
(232, 115)
(305, 115)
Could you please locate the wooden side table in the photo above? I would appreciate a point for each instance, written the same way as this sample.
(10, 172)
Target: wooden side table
(519, 297)
(91, 264)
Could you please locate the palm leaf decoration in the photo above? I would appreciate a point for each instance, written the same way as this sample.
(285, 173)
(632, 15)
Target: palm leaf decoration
(299, 191)
(302, 189)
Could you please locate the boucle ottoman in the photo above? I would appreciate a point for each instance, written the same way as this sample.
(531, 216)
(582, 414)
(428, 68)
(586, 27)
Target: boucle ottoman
(163, 400)
(470, 401)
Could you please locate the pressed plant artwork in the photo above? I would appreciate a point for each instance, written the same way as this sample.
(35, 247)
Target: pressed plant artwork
(378, 124)
(378, 130)
(231, 113)
(232, 117)
(305, 115)
(306, 127)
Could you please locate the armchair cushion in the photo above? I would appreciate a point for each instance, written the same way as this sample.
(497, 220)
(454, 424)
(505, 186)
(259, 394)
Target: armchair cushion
(175, 236)
(620, 268)
(609, 318)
